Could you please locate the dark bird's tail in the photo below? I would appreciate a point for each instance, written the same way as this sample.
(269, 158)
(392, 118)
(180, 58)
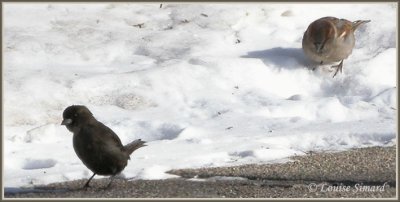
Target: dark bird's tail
(129, 148)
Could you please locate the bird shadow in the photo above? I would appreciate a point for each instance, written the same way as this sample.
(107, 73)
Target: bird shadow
(287, 58)
(36, 189)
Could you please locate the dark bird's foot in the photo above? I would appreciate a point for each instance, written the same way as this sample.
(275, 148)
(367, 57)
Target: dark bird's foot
(85, 187)
(338, 68)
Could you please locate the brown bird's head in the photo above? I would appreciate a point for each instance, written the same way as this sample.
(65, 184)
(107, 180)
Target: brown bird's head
(321, 32)
(75, 116)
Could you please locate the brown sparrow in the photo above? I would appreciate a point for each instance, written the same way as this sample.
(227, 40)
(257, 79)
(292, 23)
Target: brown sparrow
(330, 39)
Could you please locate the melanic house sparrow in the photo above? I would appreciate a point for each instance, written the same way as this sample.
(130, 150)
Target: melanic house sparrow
(330, 39)
(96, 145)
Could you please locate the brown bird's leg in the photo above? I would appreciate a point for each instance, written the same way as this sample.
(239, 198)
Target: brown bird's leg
(316, 66)
(87, 183)
(338, 68)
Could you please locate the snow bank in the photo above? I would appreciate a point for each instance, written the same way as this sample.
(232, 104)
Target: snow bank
(203, 84)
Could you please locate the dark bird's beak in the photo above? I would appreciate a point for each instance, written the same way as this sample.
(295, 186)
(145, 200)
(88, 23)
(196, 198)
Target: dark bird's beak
(66, 122)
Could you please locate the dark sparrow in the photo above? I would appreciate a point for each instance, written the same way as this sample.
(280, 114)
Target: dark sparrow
(96, 145)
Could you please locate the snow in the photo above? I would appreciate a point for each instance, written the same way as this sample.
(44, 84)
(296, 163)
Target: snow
(204, 84)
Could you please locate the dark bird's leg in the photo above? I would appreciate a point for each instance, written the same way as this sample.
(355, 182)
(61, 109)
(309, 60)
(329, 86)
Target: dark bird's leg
(111, 179)
(338, 68)
(87, 183)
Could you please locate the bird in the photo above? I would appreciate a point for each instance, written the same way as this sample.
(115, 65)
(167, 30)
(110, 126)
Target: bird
(330, 39)
(96, 145)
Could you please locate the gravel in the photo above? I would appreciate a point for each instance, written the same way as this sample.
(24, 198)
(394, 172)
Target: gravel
(373, 165)
(316, 175)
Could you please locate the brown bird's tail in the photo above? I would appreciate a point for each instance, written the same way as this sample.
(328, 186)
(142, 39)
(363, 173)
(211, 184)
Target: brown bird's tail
(129, 148)
(359, 22)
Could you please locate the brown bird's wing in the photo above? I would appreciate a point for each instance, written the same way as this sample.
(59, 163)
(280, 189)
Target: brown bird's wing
(344, 28)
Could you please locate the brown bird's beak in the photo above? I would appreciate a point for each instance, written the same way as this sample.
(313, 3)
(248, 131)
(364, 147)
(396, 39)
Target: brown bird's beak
(66, 122)
(319, 47)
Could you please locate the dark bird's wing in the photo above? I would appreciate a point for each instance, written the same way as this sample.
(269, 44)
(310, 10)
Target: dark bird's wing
(100, 149)
(107, 135)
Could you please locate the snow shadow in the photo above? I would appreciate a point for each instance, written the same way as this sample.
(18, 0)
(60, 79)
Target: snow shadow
(288, 58)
